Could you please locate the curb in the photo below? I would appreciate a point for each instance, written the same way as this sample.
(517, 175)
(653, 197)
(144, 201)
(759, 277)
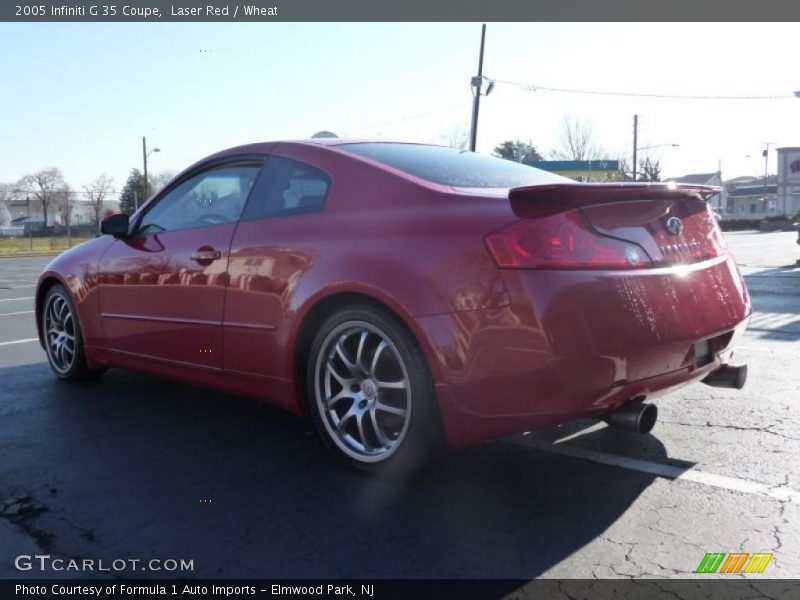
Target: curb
(4, 256)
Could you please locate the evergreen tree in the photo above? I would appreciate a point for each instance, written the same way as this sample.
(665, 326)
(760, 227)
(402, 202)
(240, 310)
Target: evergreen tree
(132, 193)
(517, 151)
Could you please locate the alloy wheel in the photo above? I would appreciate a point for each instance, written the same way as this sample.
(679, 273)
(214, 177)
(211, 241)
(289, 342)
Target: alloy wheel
(363, 391)
(59, 327)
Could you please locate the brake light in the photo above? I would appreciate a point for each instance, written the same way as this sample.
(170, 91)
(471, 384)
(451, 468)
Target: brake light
(561, 241)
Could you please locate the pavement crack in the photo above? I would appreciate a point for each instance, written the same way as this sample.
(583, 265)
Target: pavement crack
(708, 424)
(21, 511)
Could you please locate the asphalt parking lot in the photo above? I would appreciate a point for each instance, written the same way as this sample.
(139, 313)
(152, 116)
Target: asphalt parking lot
(133, 466)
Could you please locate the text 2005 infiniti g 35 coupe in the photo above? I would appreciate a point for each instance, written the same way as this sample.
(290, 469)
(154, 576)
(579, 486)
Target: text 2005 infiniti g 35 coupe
(405, 295)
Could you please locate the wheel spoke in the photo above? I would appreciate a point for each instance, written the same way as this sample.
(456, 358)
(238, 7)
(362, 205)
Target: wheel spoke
(346, 417)
(343, 355)
(360, 352)
(379, 433)
(362, 434)
(400, 412)
(378, 351)
(345, 383)
(392, 385)
(333, 400)
(62, 306)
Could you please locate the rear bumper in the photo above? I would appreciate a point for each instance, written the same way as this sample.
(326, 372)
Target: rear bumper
(578, 344)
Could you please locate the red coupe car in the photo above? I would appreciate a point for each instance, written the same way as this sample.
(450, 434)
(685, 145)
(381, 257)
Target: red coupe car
(405, 295)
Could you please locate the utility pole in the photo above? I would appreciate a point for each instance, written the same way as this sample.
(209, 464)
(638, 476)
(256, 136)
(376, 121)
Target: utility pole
(144, 160)
(476, 94)
(69, 222)
(135, 201)
(30, 225)
(635, 142)
(766, 164)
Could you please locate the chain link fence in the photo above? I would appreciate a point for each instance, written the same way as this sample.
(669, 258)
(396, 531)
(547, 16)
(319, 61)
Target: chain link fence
(23, 229)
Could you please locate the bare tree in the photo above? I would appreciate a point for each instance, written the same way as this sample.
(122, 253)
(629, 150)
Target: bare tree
(43, 186)
(65, 199)
(577, 141)
(649, 170)
(97, 194)
(454, 137)
(625, 172)
(159, 180)
(7, 192)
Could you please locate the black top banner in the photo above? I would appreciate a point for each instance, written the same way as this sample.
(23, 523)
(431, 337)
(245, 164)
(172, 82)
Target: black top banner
(401, 10)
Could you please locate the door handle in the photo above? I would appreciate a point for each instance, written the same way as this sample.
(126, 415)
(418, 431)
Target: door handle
(205, 256)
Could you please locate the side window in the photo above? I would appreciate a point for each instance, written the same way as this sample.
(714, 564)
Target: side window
(288, 187)
(210, 198)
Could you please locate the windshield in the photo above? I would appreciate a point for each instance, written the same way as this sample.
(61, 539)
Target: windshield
(456, 168)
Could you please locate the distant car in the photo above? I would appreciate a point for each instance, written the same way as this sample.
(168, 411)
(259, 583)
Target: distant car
(403, 295)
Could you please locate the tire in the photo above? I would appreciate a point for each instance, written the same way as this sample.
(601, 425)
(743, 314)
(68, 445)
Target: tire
(63, 339)
(370, 393)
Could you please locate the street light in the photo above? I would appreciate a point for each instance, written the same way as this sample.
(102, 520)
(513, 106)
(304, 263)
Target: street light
(637, 148)
(145, 154)
(765, 154)
(659, 146)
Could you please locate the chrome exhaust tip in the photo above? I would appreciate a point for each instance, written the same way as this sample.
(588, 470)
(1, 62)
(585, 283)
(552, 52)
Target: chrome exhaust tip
(728, 376)
(637, 417)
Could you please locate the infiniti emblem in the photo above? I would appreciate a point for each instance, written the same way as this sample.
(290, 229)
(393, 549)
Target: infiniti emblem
(674, 225)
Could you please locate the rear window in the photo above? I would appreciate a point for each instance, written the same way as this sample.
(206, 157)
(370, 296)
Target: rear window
(457, 168)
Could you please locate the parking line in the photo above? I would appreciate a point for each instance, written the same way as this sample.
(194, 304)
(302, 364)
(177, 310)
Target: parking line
(21, 312)
(25, 341)
(782, 494)
(15, 299)
(767, 350)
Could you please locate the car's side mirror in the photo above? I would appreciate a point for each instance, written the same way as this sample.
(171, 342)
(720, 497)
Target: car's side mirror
(116, 225)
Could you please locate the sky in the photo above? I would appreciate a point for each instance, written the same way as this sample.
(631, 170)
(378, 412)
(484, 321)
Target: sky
(80, 96)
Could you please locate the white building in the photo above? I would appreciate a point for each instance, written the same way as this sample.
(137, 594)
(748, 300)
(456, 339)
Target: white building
(718, 202)
(788, 180)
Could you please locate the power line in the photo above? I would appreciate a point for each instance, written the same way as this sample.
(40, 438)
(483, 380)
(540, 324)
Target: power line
(62, 191)
(408, 118)
(535, 88)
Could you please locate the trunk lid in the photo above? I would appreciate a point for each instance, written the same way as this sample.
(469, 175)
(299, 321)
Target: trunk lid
(671, 224)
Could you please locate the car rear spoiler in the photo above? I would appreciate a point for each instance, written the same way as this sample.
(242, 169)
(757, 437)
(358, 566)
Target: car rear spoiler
(542, 200)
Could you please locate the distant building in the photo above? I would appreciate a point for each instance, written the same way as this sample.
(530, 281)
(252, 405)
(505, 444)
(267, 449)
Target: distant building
(81, 212)
(581, 170)
(788, 192)
(752, 200)
(718, 202)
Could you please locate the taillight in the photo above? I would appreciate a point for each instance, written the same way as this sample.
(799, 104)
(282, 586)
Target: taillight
(561, 241)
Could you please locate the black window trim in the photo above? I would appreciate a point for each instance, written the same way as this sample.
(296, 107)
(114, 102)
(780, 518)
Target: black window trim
(218, 163)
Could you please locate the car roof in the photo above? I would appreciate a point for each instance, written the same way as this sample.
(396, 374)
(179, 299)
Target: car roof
(264, 147)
